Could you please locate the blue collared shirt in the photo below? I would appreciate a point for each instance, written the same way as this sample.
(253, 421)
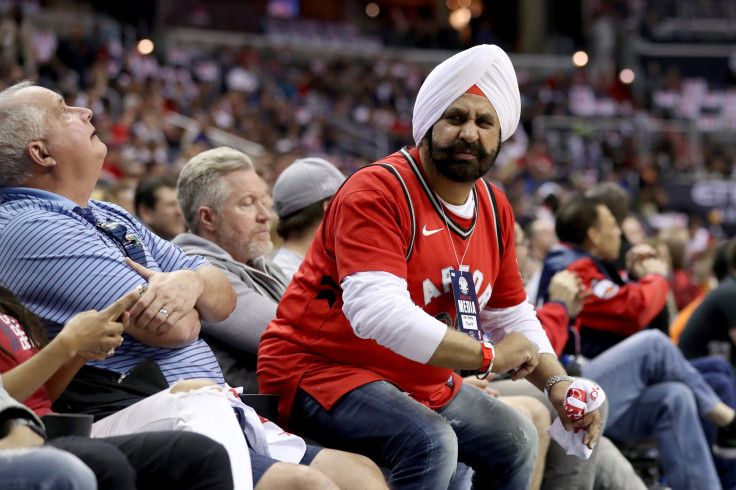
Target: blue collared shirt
(58, 262)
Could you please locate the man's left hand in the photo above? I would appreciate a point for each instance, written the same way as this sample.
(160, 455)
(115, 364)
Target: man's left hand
(169, 297)
(591, 422)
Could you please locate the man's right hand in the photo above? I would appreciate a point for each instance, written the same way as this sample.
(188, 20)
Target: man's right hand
(517, 352)
(94, 335)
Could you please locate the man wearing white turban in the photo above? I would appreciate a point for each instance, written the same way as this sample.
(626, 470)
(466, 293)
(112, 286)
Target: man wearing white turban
(412, 249)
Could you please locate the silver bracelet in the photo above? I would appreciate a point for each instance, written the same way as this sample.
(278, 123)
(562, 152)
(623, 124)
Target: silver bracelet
(556, 379)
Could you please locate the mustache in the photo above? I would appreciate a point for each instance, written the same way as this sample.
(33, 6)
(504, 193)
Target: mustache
(463, 146)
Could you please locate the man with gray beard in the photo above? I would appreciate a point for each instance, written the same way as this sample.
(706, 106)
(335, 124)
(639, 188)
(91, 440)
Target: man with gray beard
(228, 208)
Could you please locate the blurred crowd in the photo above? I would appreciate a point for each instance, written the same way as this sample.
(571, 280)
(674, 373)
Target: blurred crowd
(583, 131)
(354, 110)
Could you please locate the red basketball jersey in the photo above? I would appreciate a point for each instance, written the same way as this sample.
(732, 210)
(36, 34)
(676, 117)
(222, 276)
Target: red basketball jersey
(385, 218)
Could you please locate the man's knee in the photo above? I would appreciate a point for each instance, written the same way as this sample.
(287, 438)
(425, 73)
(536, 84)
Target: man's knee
(438, 436)
(45, 467)
(656, 338)
(109, 464)
(677, 399)
(349, 470)
(540, 416)
(294, 476)
(334, 457)
(192, 384)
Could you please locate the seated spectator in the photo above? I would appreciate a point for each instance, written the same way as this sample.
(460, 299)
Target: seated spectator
(616, 199)
(651, 390)
(227, 206)
(674, 244)
(718, 271)
(157, 208)
(300, 196)
(123, 462)
(606, 467)
(711, 328)
(632, 230)
(541, 240)
(25, 463)
(95, 255)
(36, 372)
(362, 350)
(590, 239)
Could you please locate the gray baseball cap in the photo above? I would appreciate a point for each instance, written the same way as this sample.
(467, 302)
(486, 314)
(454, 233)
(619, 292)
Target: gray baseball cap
(304, 182)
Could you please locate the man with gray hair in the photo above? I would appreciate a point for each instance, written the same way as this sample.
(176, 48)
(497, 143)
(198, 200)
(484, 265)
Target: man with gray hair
(63, 253)
(228, 208)
(301, 195)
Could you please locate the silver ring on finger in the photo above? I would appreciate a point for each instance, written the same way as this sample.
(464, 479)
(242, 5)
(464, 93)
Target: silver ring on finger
(111, 351)
(164, 311)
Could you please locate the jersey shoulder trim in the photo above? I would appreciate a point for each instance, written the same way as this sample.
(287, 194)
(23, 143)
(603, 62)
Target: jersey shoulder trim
(496, 217)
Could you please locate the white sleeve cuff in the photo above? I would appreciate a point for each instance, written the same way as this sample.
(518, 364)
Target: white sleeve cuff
(378, 306)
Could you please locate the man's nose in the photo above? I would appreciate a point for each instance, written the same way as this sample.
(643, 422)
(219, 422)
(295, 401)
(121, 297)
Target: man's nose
(469, 132)
(86, 114)
(264, 212)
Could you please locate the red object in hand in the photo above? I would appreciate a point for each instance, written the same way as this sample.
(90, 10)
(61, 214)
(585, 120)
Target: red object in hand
(575, 404)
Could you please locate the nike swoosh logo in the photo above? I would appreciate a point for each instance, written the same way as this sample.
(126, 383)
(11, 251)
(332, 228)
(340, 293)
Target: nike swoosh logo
(427, 232)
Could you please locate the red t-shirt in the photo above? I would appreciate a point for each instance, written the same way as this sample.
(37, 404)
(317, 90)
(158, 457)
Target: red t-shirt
(14, 340)
(368, 227)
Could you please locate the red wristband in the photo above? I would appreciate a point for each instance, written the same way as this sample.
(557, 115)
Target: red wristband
(489, 352)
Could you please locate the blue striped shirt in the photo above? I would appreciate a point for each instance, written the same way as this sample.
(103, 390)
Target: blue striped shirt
(58, 262)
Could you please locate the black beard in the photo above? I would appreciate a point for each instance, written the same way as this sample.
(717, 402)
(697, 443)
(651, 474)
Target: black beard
(457, 170)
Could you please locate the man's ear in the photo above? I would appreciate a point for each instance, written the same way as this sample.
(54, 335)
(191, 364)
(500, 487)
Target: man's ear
(206, 217)
(39, 153)
(593, 236)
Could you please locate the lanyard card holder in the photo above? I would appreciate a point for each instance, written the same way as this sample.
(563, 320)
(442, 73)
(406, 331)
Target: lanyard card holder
(466, 303)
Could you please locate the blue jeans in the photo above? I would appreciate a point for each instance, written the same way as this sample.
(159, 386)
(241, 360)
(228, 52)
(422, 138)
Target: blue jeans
(422, 446)
(652, 389)
(44, 468)
(718, 373)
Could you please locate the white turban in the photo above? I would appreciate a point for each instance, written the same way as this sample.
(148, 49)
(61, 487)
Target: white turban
(486, 66)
